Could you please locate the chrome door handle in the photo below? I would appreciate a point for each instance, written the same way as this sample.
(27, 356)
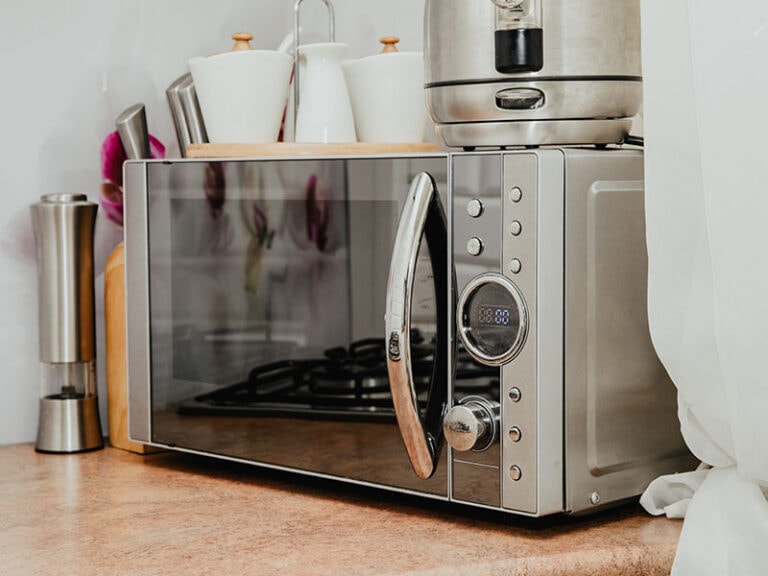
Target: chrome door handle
(422, 216)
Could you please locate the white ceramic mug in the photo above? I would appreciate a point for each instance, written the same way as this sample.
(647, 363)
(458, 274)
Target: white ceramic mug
(387, 94)
(242, 94)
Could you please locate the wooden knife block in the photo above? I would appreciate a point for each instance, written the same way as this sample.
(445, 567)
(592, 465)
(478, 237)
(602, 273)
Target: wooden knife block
(117, 382)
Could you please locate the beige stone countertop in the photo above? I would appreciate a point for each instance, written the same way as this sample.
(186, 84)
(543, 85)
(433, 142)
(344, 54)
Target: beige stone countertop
(112, 512)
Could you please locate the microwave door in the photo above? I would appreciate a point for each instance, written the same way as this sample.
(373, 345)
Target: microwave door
(264, 340)
(422, 217)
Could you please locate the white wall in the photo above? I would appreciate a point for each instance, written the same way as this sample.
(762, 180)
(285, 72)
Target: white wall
(68, 69)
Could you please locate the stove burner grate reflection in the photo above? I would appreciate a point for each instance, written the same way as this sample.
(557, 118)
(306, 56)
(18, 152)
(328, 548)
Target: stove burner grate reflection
(345, 384)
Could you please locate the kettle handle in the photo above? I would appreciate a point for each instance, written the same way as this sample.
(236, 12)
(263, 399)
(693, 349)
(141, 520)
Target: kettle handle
(422, 216)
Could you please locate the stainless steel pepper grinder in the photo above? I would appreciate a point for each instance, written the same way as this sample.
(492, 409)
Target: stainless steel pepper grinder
(69, 410)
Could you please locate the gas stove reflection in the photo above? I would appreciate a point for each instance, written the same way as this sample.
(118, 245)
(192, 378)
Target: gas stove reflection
(345, 384)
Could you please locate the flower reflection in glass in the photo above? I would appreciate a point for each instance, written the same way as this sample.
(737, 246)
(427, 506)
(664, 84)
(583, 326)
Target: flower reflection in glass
(316, 202)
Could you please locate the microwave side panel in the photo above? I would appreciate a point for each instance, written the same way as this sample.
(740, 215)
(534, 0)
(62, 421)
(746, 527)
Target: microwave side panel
(137, 302)
(622, 429)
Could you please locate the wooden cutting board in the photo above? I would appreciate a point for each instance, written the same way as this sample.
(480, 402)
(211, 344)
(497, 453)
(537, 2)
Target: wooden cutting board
(289, 149)
(114, 333)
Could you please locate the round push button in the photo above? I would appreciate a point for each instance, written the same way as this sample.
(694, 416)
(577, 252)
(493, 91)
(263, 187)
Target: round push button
(475, 208)
(475, 246)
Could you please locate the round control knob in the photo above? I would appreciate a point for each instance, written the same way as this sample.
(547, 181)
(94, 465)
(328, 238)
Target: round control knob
(472, 425)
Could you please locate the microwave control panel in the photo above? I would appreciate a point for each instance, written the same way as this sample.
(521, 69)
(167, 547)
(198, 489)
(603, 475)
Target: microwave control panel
(497, 250)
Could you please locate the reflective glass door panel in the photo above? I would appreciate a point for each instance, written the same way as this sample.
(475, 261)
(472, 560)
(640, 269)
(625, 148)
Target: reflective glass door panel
(267, 296)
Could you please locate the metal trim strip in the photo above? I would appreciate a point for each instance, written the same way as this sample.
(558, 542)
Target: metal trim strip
(138, 355)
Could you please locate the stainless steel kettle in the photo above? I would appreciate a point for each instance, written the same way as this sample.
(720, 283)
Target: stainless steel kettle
(532, 72)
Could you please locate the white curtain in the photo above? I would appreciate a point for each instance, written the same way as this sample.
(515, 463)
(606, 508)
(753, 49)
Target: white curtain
(705, 69)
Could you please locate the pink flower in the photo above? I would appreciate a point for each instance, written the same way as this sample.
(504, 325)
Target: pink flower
(112, 158)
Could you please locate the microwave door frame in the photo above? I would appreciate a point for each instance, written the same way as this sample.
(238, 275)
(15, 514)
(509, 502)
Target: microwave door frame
(137, 297)
(422, 216)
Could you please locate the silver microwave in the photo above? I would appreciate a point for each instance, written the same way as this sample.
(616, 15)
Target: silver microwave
(469, 326)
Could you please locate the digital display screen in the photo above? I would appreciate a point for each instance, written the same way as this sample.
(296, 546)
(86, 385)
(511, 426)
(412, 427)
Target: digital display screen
(491, 320)
(494, 315)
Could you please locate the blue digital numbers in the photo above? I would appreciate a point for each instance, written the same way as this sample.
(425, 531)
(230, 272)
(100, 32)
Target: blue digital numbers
(494, 316)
